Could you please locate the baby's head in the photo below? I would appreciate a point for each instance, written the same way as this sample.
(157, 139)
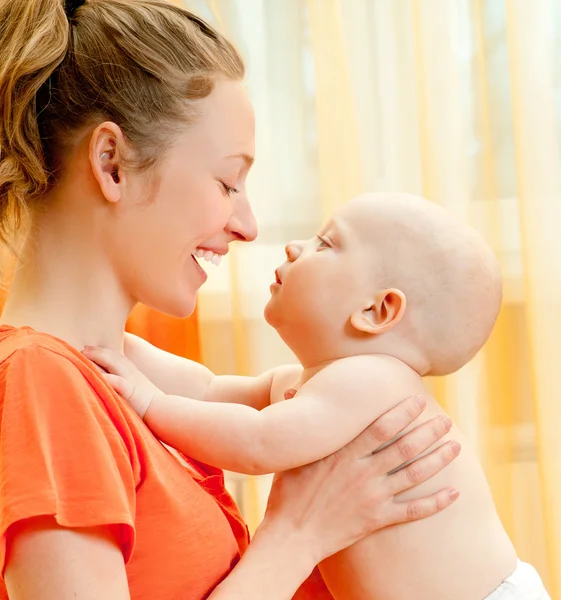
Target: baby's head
(389, 273)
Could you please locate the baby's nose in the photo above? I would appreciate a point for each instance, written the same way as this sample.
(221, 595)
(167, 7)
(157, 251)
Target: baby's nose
(293, 250)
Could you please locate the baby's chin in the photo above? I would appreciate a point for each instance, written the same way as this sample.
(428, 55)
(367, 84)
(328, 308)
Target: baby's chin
(268, 313)
(273, 312)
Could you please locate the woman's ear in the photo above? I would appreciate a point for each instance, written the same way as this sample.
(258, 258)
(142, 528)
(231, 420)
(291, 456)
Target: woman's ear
(106, 158)
(381, 315)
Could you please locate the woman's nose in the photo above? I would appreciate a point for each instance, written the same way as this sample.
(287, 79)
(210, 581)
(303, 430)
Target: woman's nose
(242, 223)
(293, 250)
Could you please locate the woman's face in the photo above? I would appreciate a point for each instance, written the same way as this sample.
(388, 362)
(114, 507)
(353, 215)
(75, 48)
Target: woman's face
(197, 203)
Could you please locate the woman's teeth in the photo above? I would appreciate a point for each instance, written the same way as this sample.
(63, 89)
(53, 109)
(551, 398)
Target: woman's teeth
(208, 255)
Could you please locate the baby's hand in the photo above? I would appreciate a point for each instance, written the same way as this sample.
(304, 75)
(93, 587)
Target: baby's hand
(124, 377)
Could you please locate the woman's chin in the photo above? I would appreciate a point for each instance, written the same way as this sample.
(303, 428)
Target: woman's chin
(180, 306)
(184, 309)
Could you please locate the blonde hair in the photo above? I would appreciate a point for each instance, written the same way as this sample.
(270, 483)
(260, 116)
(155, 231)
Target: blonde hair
(141, 64)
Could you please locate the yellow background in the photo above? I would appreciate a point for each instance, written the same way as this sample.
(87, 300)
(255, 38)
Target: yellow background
(459, 100)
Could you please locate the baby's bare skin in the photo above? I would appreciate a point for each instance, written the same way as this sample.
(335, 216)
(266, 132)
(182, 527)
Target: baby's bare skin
(463, 553)
(394, 288)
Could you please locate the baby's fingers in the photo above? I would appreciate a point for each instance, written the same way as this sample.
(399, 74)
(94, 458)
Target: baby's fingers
(107, 359)
(123, 387)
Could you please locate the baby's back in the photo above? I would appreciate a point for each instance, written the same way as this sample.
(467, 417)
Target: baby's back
(461, 553)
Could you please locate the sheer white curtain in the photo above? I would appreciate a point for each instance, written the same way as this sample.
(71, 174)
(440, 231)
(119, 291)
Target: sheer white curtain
(459, 100)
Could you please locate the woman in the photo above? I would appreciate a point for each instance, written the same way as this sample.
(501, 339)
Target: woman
(126, 138)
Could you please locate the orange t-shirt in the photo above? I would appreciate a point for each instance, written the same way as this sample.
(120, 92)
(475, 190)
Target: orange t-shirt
(72, 448)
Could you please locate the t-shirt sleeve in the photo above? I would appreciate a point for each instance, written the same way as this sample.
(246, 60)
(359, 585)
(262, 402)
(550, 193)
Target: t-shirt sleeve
(60, 453)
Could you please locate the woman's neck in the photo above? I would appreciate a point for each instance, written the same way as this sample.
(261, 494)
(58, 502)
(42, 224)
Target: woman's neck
(63, 288)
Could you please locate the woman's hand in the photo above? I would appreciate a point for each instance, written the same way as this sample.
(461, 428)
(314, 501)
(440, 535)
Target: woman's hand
(337, 501)
(317, 510)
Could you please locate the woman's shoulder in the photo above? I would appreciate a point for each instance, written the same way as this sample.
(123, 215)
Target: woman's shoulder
(50, 391)
(37, 369)
(65, 448)
(27, 344)
(29, 358)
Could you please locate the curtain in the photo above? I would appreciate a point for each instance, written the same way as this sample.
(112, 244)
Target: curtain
(179, 336)
(458, 100)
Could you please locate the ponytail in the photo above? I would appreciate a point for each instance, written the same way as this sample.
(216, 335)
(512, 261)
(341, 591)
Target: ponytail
(33, 42)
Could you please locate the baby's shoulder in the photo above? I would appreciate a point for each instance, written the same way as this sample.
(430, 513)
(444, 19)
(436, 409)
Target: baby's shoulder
(367, 366)
(366, 374)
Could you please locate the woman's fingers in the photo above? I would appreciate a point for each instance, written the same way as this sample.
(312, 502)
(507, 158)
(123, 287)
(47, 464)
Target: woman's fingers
(424, 468)
(421, 508)
(413, 444)
(386, 427)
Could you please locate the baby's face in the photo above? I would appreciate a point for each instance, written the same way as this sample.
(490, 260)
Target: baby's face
(326, 278)
(384, 260)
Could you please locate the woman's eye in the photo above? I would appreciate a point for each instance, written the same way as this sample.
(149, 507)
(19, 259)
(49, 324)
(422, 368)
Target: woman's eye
(229, 190)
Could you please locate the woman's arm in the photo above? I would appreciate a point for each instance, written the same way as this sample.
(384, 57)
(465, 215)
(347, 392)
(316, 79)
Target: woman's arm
(273, 567)
(46, 561)
(62, 454)
(313, 512)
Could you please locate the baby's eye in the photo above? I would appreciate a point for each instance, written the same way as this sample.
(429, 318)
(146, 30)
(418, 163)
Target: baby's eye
(322, 243)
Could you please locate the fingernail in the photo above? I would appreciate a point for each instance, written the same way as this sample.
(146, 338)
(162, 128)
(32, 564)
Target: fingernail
(420, 401)
(455, 448)
(454, 495)
(447, 421)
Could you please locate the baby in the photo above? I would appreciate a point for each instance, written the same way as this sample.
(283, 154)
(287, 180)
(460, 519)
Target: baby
(392, 289)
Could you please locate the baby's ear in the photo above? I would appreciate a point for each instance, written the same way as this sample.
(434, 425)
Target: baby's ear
(382, 314)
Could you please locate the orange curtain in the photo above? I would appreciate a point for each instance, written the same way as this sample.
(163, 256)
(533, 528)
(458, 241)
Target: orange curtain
(179, 336)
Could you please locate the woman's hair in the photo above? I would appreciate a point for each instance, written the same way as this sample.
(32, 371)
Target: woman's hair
(139, 64)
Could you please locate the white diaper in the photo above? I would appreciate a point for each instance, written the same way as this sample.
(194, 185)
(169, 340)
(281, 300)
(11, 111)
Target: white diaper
(523, 584)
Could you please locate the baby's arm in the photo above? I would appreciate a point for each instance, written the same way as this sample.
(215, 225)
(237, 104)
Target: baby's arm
(328, 412)
(179, 376)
